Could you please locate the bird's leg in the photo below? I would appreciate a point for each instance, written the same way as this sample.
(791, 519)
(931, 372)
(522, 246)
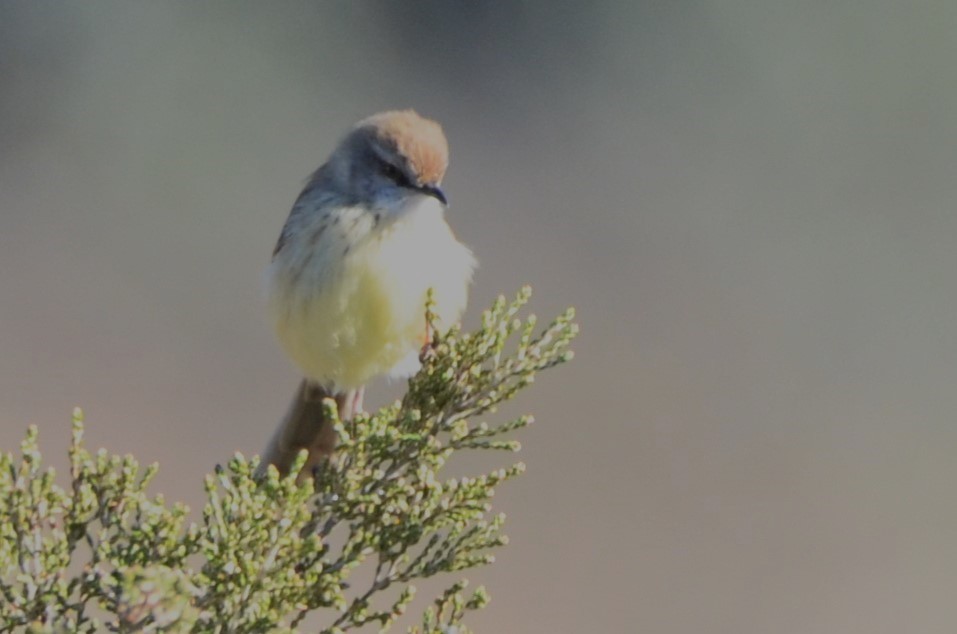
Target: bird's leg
(427, 349)
(357, 400)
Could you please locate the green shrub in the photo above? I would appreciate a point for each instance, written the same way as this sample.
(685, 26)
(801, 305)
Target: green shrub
(103, 555)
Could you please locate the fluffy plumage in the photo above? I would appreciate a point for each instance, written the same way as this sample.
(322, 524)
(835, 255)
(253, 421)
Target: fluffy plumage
(365, 241)
(349, 278)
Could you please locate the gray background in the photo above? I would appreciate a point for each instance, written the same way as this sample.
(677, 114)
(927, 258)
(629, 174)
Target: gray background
(751, 204)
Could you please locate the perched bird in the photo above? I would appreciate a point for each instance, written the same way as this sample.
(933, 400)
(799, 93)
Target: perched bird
(365, 241)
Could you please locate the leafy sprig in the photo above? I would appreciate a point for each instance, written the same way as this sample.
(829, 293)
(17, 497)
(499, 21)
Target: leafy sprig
(342, 548)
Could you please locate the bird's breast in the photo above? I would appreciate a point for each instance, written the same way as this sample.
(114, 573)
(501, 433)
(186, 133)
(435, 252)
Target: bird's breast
(351, 305)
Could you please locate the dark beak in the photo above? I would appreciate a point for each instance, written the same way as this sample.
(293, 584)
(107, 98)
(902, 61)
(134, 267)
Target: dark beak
(435, 192)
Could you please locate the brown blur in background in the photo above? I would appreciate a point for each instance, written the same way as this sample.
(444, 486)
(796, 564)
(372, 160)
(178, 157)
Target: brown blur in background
(751, 203)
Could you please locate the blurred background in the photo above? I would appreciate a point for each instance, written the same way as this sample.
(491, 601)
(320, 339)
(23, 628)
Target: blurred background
(750, 203)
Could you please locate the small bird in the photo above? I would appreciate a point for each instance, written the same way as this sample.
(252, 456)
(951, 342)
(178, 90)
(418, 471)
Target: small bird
(365, 241)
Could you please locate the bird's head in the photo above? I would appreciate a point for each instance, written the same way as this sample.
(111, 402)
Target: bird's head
(390, 159)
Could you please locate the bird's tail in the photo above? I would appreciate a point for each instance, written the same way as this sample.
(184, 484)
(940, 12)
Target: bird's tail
(304, 427)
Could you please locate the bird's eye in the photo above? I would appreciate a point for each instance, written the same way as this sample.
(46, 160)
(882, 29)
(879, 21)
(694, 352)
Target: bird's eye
(393, 173)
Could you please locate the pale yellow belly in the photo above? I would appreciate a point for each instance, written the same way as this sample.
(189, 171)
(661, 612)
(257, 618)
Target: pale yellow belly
(368, 318)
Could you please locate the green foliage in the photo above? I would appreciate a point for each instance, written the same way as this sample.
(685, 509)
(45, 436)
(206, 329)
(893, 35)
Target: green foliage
(102, 555)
